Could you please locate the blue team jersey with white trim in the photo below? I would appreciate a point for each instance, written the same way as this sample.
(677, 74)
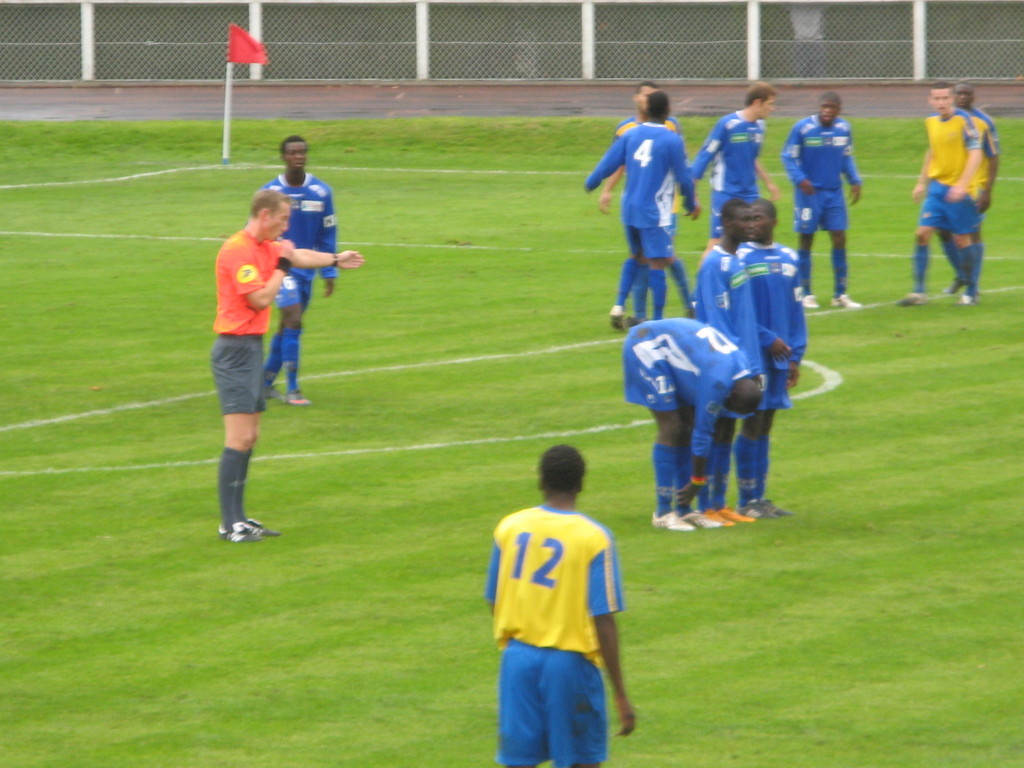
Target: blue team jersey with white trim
(683, 362)
(655, 160)
(731, 149)
(550, 573)
(723, 301)
(774, 277)
(823, 155)
(313, 224)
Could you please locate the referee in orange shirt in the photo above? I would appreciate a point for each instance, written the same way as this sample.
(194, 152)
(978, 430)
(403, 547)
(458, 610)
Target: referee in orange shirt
(250, 267)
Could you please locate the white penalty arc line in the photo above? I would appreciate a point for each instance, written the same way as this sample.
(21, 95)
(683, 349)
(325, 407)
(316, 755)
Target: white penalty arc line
(830, 381)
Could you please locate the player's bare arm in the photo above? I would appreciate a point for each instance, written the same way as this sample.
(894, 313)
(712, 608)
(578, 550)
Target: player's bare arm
(773, 191)
(959, 190)
(307, 259)
(922, 179)
(605, 202)
(608, 640)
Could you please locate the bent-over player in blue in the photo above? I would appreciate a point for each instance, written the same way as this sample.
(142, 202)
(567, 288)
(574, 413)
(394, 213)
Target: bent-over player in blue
(655, 160)
(312, 225)
(817, 156)
(554, 587)
(774, 279)
(686, 373)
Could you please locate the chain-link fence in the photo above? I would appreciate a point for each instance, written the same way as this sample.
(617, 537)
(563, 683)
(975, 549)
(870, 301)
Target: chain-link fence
(148, 40)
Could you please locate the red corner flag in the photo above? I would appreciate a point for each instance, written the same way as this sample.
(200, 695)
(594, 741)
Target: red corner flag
(243, 48)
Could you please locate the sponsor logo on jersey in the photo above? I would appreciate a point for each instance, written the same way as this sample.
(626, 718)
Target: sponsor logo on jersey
(814, 141)
(840, 141)
(312, 206)
(246, 274)
(756, 270)
(722, 301)
(330, 221)
(739, 138)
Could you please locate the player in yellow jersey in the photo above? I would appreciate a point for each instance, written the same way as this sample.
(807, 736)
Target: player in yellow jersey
(947, 185)
(963, 94)
(554, 588)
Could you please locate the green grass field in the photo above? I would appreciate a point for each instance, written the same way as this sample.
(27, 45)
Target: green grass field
(880, 627)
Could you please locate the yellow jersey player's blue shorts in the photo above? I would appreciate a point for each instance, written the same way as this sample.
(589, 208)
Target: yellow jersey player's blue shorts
(960, 218)
(551, 706)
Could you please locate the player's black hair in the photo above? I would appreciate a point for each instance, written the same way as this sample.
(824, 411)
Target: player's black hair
(767, 206)
(646, 84)
(562, 469)
(734, 208)
(657, 106)
(941, 85)
(292, 140)
(962, 85)
(745, 396)
(830, 97)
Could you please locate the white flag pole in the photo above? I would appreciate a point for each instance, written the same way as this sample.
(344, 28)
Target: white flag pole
(225, 156)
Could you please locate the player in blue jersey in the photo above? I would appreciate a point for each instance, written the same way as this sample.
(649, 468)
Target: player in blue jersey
(731, 151)
(963, 94)
(312, 225)
(655, 160)
(554, 587)
(687, 374)
(817, 155)
(773, 273)
(633, 277)
(724, 301)
(946, 187)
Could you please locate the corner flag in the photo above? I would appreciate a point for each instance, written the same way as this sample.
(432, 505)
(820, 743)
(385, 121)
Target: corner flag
(243, 48)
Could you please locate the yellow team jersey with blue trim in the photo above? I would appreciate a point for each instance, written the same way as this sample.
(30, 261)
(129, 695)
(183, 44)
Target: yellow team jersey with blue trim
(551, 572)
(989, 145)
(949, 141)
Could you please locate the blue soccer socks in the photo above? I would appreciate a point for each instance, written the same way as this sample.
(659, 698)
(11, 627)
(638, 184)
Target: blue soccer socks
(658, 289)
(290, 344)
(666, 460)
(971, 264)
(839, 271)
(626, 278)
(746, 469)
(920, 267)
(804, 268)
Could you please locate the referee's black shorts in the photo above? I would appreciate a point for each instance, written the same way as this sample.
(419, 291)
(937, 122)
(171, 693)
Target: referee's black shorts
(237, 364)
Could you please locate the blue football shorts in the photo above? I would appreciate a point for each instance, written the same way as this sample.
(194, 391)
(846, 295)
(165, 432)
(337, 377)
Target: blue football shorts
(959, 218)
(775, 395)
(650, 242)
(551, 706)
(825, 210)
(719, 199)
(294, 289)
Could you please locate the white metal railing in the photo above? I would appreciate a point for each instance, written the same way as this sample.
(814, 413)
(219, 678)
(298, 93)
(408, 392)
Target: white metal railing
(516, 39)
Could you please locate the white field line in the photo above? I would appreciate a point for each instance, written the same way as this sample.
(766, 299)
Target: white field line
(356, 169)
(453, 246)
(831, 380)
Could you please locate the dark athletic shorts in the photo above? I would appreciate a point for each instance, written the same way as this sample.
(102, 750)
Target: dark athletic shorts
(237, 364)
